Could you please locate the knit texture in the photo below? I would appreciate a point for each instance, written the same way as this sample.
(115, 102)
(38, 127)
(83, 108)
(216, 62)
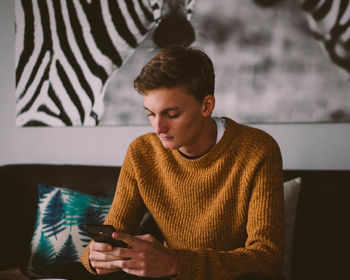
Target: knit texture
(223, 212)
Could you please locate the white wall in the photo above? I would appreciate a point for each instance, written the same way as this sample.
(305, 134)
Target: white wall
(304, 146)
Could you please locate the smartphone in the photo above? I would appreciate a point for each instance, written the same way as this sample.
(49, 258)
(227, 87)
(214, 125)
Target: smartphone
(103, 233)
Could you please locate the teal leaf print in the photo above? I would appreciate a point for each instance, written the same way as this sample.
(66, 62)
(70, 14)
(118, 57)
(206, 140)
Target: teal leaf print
(43, 257)
(101, 206)
(52, 217)
(91, 216)
(68, 253)
(43, 190)
(84, 236)
(95, 214)
(76, 204)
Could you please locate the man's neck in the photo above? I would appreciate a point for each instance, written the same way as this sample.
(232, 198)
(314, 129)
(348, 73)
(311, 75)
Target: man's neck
(206, 141)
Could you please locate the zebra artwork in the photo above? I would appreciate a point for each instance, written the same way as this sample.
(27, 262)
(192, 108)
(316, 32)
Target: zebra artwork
(66, 50)
(329, 22)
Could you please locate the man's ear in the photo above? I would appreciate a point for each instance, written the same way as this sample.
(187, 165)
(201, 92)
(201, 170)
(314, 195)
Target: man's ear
(208, 105)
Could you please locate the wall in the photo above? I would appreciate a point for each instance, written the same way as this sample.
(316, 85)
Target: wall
(304, 146)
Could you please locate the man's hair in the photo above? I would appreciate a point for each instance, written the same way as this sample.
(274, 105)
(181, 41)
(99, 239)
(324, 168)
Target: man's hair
(178, 67)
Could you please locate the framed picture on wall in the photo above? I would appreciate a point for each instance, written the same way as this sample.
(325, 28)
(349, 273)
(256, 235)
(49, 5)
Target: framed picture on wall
(276, 61)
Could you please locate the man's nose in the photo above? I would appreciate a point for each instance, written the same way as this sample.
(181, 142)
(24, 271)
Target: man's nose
(159, 125)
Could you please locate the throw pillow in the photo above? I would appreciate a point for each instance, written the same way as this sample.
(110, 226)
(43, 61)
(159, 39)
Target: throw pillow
(59, 235)
(291, 194)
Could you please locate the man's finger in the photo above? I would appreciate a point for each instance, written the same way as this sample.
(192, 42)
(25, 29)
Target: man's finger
(103, 256)
(106, 271)
(146, 237)
(127, 264)
(127, 238)
(98, 246)
(131, 239)
(107, 265)
(134, 267)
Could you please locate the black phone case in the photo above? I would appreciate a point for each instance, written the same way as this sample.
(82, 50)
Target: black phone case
(103, 233)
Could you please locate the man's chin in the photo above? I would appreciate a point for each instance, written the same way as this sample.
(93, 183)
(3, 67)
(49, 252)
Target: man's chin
(169, 146)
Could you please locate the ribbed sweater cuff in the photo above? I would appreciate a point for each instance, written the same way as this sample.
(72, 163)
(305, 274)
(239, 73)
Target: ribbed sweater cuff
(187, 265)
(84, 258)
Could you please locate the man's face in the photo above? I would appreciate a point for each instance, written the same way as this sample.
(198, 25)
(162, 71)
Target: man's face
(176, 117)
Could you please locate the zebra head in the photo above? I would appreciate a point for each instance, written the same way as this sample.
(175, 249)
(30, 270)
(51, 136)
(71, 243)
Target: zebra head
(173, 24)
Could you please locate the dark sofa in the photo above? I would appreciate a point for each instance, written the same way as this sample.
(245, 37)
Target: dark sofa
(320, 240)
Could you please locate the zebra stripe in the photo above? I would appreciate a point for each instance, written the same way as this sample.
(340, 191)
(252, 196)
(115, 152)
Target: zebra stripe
(65, 52)
(98, 63)
(67, 49)
(329, 21)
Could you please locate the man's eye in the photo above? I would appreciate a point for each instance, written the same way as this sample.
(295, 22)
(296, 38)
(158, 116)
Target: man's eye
(173, 116)
(150, 114)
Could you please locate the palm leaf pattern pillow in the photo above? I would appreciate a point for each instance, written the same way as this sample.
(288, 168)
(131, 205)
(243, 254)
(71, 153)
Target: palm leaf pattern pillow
(59, 235)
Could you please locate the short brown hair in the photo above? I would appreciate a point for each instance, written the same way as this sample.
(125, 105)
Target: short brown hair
(177, 66)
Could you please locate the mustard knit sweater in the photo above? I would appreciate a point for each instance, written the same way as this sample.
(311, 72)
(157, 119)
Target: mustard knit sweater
(223, 212)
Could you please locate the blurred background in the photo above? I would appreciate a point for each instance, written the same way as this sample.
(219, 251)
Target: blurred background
(269, 67)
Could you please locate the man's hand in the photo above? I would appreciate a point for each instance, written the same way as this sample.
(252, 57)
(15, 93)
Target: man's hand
(101, 256)
(145, 257)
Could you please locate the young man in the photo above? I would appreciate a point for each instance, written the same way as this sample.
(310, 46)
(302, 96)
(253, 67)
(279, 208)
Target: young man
(213, 186)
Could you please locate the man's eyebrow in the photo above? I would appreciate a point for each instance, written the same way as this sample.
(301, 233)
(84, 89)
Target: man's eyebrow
(165, 110)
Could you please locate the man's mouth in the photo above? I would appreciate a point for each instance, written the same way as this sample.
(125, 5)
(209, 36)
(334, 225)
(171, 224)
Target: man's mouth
(165, 137)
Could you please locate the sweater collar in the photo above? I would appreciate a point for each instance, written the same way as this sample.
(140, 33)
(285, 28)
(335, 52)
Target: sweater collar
(214, 153)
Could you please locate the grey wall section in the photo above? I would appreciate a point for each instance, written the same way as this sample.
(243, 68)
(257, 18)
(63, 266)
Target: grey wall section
(304, 146)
